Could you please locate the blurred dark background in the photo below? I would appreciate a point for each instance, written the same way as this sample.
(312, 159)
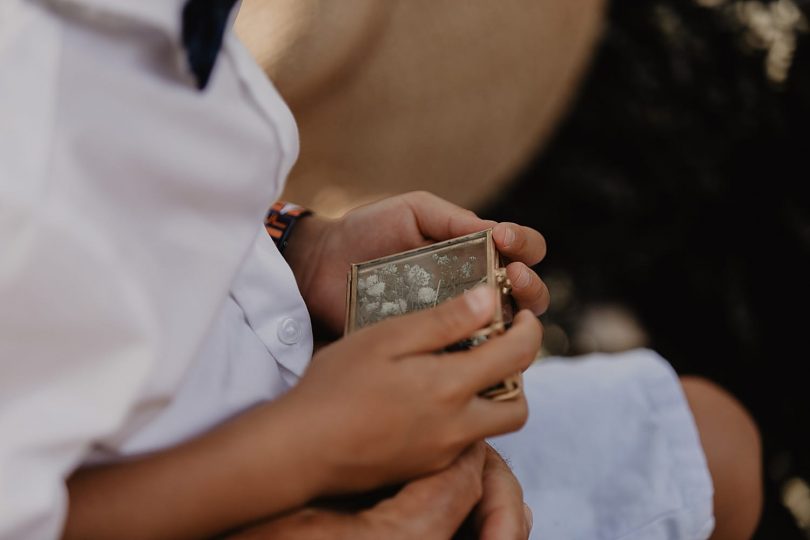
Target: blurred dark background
(673, 194)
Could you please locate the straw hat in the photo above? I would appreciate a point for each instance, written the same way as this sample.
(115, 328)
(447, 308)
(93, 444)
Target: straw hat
(390, 96)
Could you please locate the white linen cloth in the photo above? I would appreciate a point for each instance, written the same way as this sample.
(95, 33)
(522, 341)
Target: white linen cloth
(610, 451)
(141, 302)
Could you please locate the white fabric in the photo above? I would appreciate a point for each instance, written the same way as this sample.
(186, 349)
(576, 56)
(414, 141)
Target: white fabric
(131, 213)
(611, 452)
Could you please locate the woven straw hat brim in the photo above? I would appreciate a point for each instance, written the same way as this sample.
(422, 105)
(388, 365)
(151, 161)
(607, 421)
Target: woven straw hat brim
(443, 95)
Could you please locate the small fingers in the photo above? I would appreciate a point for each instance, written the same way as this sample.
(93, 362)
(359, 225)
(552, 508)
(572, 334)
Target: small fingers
(519, 243)
(486, 418)
(498, 358)
(528, 290)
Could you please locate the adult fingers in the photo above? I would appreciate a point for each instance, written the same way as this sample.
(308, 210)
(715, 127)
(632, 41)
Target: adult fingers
(500, 357)
(436, 505)
(438, 219)
(431, 330)
(501, 514)
(519, 243)
(528, 289)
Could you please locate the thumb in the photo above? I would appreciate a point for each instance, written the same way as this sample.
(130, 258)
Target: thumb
(435, 506)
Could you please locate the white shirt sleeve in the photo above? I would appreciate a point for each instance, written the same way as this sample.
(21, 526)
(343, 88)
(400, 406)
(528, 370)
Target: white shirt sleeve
(128, 202)
(256, 350)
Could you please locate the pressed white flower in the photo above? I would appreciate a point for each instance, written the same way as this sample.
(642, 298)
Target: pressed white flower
(372, 306)
(466, 269)
(372, 279)
(390, 308)
(361, 284)
(403, 305)
(443, 260)
(376, 289)
(417, 276)
(426, 295)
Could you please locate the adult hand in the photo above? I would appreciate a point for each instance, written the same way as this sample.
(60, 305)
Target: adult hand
(379, 406)
(501, 514)
(321, 251)
(430, 508)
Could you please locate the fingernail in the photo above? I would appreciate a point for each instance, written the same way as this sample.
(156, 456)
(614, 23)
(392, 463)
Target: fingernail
(480, 300)
(508, 237)
(527, 512)
(523, 279)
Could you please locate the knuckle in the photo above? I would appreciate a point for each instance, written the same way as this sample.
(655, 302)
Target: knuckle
(434, 383)
(378, 524)
(419, 195)
(476, 487)
(450, 389)
(456, 220)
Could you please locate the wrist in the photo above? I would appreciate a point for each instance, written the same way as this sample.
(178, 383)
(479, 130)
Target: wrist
(316, 445)
(285, 453)
(257, 464)
(304, 251)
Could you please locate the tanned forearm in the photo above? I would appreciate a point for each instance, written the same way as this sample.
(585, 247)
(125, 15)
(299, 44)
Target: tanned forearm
(251, 467)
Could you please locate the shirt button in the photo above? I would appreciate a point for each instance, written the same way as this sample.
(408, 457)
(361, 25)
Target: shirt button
(290, 331)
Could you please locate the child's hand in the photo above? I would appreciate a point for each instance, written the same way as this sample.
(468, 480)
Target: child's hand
(379, 406)
(321, 251)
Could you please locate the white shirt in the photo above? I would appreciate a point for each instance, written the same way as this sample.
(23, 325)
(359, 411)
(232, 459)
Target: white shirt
(141, 301)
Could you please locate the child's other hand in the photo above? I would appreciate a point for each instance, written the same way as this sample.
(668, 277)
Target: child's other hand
(379, 406)
(321, 251)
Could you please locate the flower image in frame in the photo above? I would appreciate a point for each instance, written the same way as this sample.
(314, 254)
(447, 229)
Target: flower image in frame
(418, 280)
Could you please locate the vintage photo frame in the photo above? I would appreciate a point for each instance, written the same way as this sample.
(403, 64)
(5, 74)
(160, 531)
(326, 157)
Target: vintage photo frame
(424, 277)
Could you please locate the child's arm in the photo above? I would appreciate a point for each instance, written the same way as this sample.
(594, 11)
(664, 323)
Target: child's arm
(374, 408)
(247, 468)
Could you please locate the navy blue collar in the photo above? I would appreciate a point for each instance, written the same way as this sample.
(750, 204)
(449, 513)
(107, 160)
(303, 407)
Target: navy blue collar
(204, 23)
